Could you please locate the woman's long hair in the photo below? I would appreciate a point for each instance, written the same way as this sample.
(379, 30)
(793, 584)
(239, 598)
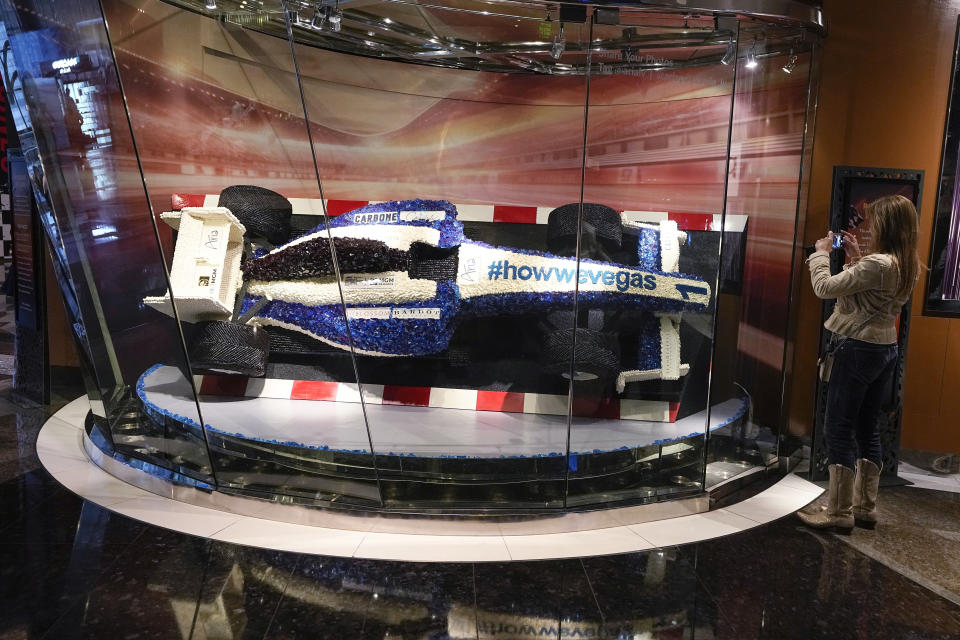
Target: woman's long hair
(894, 221)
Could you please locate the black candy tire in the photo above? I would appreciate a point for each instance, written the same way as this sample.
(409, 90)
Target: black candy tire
(599, 222)
(595, 354)
(228, 347)
(266, 214)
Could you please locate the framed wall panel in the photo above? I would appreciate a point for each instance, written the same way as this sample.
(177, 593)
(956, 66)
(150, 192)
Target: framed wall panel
(943, 281)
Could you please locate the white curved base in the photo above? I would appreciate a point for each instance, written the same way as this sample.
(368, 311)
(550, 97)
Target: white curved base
(425, 431)
(61, 451)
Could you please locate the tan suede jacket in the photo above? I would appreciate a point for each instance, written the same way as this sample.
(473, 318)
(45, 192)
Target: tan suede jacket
(864, 291)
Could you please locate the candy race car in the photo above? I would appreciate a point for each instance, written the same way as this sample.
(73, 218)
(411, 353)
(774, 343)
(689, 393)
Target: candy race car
(396, 279)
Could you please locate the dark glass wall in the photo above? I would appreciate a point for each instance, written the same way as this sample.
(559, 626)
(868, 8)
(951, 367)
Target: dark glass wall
(585, 294)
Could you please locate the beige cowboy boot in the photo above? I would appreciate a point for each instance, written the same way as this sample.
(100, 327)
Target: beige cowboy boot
(865, 494)
(817, 506)
(838, 514)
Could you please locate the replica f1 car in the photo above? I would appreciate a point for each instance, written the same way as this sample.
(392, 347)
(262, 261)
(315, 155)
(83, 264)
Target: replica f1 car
(407, 276)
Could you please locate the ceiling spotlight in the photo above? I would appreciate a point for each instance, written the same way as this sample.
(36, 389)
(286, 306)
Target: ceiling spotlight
(211, 5)
(730, 54)
(791, 63)
(559, 44)
(752, 56)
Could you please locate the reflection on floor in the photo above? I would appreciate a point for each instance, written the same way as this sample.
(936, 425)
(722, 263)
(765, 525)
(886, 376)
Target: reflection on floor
(69, 569)
(926, 479)
(6, 331)
(920, 538)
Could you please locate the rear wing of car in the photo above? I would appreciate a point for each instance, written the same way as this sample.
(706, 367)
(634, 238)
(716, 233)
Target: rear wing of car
(205, 275)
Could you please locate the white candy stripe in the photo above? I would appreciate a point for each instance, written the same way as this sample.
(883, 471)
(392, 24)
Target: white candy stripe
(432, 216)
(390, 287)
(734, 222)
(475, 212)
(645, 410)
(349, 392)
(453, 398)
(669, 246)
(543, 403)
(669, 349)
(307, 206)
(629, 224)
(639, 376)
(372, 393)
(644, 216)
(489, 271)
(395, 236)
(269, 388)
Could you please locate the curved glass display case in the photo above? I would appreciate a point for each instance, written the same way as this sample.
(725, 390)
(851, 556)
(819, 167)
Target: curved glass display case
(455, 256)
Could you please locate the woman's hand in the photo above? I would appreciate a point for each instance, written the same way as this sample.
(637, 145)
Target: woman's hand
(850, 245)
(825, 244)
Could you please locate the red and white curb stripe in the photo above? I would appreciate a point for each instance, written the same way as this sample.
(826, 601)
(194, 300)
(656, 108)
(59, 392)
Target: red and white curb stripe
(489, 213)
(437, 397)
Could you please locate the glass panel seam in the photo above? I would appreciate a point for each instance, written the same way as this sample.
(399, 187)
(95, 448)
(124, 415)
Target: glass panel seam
(808, 127)
(333, 251)
(571, 387)
(723, 221)
(156, 231)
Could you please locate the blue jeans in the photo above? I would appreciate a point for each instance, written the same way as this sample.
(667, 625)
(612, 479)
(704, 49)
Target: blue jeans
(859, 384)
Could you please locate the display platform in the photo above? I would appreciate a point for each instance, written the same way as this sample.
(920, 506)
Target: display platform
(418, 431)
(69, 455)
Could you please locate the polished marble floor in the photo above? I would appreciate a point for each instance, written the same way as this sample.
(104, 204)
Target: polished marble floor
(70, 569)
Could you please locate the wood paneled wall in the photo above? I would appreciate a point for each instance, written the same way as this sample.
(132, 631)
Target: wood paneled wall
(885, 80)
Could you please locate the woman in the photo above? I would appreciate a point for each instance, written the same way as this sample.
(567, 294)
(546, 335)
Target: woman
(870, 291)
